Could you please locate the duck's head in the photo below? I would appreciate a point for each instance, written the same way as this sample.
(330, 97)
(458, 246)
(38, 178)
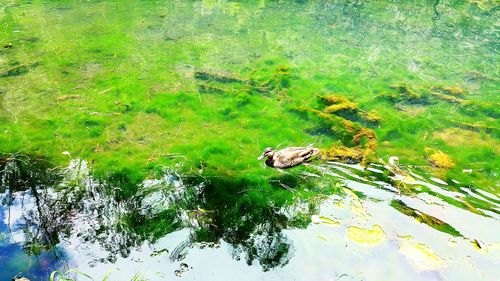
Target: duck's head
(267, 152)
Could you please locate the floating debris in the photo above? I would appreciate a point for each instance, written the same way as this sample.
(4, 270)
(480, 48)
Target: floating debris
(159, 252)
(183, 267)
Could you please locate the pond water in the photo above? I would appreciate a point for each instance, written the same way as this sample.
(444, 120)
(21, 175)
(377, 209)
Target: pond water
(129, 133)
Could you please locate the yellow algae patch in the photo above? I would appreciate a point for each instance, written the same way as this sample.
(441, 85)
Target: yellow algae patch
(450, 90)
(364, 139)
(371, 116)
(441, 160)
(338, 103)
(317, 219)
(344, 154)
(421, 257)
(366, 237)
(448, 98)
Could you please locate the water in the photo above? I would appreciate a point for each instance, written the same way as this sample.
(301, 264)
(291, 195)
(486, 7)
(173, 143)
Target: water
(205, 229)
(129, 133)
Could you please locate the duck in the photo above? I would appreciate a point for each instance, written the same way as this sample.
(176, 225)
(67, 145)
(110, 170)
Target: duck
(288, 157)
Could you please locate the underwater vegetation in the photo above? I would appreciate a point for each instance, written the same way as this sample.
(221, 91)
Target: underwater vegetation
(361, 141)
(231, 102)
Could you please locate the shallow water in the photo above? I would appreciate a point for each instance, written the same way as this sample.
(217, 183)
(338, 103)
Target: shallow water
(129, 133)
(338, 221)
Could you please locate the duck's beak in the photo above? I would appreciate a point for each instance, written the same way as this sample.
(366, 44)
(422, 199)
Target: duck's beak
(260, 157)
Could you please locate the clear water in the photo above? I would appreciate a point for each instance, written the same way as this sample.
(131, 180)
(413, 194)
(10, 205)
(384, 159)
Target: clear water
(129, 133)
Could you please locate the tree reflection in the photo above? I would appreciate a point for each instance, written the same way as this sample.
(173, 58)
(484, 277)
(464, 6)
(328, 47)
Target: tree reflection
(70, 203)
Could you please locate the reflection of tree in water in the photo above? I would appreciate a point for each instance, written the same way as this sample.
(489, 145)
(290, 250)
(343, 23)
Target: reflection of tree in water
(27, 179)
(119, 215)
(249, 218)
(23, 186)
(57, 204)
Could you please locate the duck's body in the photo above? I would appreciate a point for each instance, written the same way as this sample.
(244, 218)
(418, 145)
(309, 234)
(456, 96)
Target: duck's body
(288, 157)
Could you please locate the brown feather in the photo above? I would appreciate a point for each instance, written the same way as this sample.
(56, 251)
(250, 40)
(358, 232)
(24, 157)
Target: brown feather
(291, 156)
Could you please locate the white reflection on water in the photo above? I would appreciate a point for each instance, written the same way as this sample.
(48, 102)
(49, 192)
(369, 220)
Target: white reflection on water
(97, 241)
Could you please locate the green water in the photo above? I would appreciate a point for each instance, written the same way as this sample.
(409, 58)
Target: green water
(141, 91)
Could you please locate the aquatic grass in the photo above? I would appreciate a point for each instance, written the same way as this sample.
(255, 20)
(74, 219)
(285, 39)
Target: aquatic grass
(147, 74)
(425, 218)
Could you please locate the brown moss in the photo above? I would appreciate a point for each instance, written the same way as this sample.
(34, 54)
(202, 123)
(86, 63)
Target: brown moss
(350, 155)
(349, 126)
(453, 90)
(448, 98)
(371, 116)
(364, 139)
(332, 99)
(338, 103)
(406, 95)
(370, 137)
(405, 91)
(441, 160)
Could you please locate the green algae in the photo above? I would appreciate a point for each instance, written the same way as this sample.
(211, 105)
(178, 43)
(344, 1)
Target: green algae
(136, 95)
(425, 218)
